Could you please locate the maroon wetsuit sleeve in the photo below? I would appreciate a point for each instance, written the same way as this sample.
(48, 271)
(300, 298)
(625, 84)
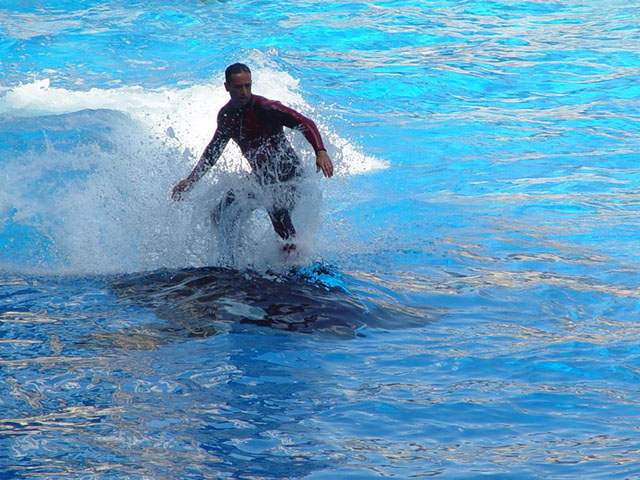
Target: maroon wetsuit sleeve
(219, 141)
(292, 119)
(215, 148)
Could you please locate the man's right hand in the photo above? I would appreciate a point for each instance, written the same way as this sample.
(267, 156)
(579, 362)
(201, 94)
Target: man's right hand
(181, 187)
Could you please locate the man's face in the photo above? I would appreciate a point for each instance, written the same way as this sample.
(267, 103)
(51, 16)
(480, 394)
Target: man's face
(239, 88)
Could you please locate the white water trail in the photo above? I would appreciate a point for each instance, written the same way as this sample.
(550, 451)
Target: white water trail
(86, 179)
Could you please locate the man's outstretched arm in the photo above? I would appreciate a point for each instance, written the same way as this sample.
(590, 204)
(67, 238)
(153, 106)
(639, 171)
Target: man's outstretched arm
(207, 160)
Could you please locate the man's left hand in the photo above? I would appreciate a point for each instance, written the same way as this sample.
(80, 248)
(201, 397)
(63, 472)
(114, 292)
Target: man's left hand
(323, 162)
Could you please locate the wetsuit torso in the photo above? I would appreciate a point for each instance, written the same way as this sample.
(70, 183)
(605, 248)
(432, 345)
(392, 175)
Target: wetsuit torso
(257, 128)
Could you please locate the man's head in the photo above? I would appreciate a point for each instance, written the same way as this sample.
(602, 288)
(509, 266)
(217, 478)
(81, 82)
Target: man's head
(238, 83)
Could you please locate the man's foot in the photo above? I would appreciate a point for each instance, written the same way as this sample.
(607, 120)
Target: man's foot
(289, 247)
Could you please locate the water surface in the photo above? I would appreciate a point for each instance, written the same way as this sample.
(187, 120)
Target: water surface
(465, 303)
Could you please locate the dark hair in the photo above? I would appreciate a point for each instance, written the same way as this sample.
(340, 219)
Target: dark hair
(235, 68)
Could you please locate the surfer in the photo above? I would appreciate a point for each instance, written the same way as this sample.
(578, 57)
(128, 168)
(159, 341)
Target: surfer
(256, 125)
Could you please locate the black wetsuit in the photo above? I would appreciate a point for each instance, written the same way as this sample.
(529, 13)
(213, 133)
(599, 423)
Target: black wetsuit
(258, 130)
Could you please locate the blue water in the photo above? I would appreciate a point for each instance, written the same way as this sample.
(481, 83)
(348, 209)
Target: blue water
(465, 303)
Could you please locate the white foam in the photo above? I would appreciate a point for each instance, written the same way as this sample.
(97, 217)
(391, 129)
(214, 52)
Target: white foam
(116, 214)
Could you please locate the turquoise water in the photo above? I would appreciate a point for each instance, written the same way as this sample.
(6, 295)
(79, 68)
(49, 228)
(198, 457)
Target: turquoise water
(466, 300)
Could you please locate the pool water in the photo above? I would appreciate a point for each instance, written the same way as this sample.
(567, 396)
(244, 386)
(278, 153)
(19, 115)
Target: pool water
(464, 302)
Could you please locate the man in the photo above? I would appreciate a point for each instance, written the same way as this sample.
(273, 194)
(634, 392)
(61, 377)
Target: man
(256, 125)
